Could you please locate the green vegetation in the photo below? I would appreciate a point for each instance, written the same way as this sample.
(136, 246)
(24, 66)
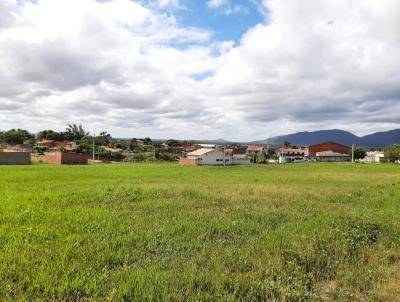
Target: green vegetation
(15, 136)
(392, 153)
(163, 232)
(359, 153)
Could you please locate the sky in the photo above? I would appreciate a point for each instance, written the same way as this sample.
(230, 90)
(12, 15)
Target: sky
(200, 69)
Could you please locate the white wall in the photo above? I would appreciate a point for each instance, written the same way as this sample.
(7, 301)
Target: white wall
(216, 158)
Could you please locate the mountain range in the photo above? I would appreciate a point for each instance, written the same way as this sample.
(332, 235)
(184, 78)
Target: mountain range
(375, 140)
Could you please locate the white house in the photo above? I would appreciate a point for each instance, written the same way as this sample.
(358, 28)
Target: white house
(213, 157)
(291, 155)
(374, 157)
(206, 156)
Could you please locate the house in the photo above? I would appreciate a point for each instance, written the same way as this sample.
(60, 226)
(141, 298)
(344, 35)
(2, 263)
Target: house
(331, 156)
(292, 155)
(238, 155)
(190, 148)
(53, 145)
(374, 157)
(46, 144)
(327, 146)
(206, 156)
(214, 157)
(255, 150)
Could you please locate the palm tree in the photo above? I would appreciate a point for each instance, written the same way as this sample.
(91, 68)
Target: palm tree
(76, 132)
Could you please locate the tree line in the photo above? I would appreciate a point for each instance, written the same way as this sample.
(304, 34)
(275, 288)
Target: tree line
(78, 134)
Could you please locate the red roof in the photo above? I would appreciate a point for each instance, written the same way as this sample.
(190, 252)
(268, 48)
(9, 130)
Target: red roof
(255, 148)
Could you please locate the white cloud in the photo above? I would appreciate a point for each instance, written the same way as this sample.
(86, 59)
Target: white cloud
(123, 66)
(216, 3)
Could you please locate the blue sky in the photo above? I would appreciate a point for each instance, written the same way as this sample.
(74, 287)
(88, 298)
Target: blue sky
(227, 22)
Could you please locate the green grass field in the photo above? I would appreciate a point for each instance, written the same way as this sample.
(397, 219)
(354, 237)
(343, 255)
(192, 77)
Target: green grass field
(163, 232)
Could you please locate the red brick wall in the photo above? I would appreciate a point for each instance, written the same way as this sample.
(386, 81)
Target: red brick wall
(74, 159)
(187, 161)
(61, 158)
(52, 158)
(329, 146)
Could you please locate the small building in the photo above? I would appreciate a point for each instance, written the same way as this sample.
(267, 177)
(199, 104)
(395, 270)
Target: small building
(206, 156)
(255, 150)
(213, 157)
(239, 153)
(53, 145)
(15, 158)
(64, 158)
(46, 143)
(331, 156)
(239, 156)
(290, 155)
(374, 157)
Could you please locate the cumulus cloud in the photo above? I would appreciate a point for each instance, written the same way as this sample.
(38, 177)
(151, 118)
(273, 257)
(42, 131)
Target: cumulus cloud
(216, 3)
(130, 68)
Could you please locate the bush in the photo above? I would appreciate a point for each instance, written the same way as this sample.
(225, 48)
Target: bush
(392, 153)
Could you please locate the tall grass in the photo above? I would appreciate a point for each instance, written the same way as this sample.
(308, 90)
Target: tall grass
(163, 232)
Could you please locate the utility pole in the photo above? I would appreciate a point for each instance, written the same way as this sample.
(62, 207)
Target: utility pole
(94, 141)
(352, 153)
(224, 155)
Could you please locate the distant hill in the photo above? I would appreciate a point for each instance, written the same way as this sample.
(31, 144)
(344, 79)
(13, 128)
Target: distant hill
(379, 139)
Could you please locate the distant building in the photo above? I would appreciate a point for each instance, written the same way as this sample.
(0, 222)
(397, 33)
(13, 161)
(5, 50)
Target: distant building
(255, 150)
(331, 156)
(52, 145)
(237, 153)
(289, 155)
(328, 146)
(213, 157)
(374, 157)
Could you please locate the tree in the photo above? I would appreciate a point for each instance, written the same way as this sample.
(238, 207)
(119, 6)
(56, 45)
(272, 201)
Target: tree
(359, 153)
(147, 141)
(392, 153)
(134, 144)
(16, 136)
(287, 144)
(104, 139)
(75, 132)
(175, 143)
(50, 135)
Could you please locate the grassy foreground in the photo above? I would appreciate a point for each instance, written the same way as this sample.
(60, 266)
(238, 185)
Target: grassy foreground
(163, 232)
